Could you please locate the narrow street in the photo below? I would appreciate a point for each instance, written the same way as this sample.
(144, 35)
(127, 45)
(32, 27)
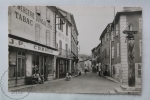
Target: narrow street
(86, 83)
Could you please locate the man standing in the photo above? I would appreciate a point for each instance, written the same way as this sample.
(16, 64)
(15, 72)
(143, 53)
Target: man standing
(99, 71)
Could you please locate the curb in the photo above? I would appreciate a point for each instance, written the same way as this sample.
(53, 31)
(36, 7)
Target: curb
(116, 81)
(27, 86)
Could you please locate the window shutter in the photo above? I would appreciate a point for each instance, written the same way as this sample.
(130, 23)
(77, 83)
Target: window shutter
(117, 49)
(140, 24)
(112, 52)
(117, 29)
(38, 10)
(140, 45)
(58, 23)
(48, 15)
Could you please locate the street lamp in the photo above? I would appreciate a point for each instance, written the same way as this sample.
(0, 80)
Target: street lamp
(131, 63)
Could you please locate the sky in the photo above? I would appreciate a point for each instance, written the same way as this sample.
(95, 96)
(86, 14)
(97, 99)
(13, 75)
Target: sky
(90, 22)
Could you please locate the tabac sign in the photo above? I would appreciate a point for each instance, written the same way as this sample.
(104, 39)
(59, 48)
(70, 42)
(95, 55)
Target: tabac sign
(30, 46)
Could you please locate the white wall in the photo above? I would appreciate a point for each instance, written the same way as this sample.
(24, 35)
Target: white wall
(20, 27)
(61, 35)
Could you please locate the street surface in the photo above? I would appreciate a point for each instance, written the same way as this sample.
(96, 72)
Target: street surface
(86, 83)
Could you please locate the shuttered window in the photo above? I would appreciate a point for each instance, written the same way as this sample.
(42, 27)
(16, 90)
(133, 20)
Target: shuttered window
(140, 45)
(117, 49)
(38, 10)
(48, 15)
(117, 30)
(48, 37)
(112, 52)
(37, 33)
(140, 24)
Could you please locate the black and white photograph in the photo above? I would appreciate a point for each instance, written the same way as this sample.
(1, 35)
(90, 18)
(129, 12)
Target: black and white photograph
(75, 49)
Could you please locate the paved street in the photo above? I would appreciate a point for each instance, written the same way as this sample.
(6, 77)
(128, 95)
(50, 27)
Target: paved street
(86, 83)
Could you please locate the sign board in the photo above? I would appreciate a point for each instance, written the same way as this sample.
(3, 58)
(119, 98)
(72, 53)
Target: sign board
(30, 46)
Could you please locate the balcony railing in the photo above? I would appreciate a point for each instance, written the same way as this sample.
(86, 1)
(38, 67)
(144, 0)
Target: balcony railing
(65, 53)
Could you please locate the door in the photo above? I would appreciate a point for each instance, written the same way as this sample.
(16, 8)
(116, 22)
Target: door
(45, 69)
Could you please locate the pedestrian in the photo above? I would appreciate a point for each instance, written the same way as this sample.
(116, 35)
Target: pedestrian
(99, 71)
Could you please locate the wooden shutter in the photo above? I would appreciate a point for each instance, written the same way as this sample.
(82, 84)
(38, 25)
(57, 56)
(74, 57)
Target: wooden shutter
(140, 24)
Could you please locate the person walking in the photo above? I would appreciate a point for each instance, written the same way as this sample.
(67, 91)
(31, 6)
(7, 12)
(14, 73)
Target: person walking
(99, 71)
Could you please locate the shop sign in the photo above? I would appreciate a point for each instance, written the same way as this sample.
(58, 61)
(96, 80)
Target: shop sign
(29, 46)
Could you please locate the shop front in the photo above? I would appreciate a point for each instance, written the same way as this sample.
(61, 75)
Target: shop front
(62, 67)
(25, 59)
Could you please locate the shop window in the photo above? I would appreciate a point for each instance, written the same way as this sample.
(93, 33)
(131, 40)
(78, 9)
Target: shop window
(12, 63)
(21, 64)
(48, 15)
(35, 63)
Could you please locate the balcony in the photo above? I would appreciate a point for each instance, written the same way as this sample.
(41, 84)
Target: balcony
(65, 53)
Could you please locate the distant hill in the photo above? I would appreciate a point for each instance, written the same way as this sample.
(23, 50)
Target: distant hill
(84, 56)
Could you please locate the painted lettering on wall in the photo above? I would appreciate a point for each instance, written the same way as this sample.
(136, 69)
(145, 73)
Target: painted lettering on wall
(23, 18)
(36, 47)
(45, 23)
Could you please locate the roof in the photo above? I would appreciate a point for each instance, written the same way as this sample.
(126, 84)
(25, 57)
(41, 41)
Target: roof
(74, 23)
(124, 12)
(104, 31)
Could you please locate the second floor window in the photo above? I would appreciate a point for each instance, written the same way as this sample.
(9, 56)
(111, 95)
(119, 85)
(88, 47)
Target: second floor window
(48, 37)
(117, 49)
(60, 44)
(117, 30)
(48, 15)
(60, 24)
(140, 24)
(66, 29)
(37, 33)
(140, 45)
(112, 52)
(38, 10)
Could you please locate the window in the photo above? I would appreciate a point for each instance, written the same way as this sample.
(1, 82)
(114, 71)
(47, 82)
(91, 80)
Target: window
(105, 37)
(130, 27)
(37, 33)
(60, 24)
(117, 49)
(112, 52)
(112, 36)
(117, 30)
(66, 29)
(140, 24)
(140, 45)
(66, 49)
(56, 45)
(21, 64)
(107, 52)
(139, 69)
(48, 37)
(60, 44)
(38, 10)
(48, 15)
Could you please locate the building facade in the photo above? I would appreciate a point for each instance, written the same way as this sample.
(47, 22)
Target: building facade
(74, 45)
(105, 45)
(131, 21)
(31, 43)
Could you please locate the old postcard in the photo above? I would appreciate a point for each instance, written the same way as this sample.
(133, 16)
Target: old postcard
(62, 49)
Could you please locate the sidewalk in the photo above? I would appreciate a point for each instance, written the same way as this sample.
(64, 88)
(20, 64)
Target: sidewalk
(27, 86)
